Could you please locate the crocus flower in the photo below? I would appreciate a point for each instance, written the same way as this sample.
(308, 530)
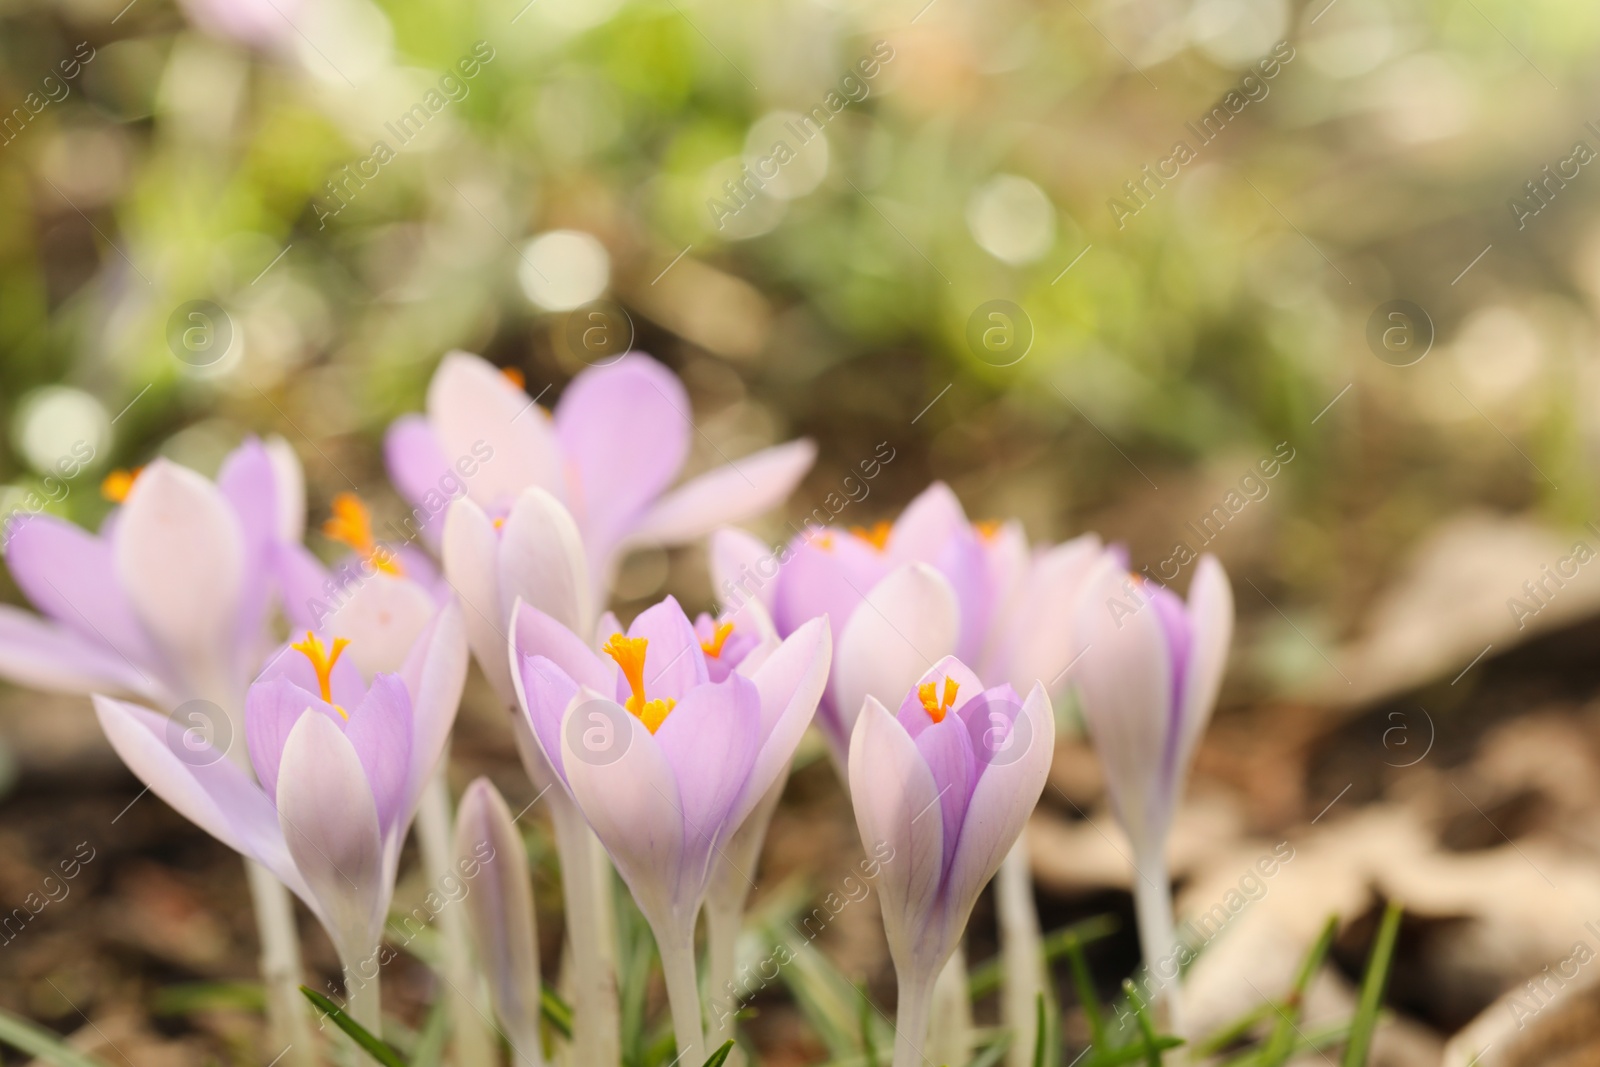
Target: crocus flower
(902, 595)
(170, 601)
(663, 762)
(947, 782)
(339, 762)
(612, 449)
(500, 913)
(1150, 669)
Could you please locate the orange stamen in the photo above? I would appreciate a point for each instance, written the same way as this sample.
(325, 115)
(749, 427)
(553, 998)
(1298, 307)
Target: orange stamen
(515, 377)
(877, 536)
(988, 529)
(928, 693)
(322, 660)
(719, 637)
(629, 653)
(351, 524)
(119, 483)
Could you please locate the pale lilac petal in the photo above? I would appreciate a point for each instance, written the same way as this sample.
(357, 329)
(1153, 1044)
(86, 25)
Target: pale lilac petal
(435, 673)
(200, 783)
(824, 573)
(330, 823)
(711, 739)
(419, 470)
(927, 526)
(1124, 684)
(289, 479)
(70, 575)
(499, 905)
(249, 483)
(271, 709)
(748, 487)
(1210, 612)
(542, 561)
(946, 748)
(1038, 627)
(380, 731)
(472, 407)
(303, 580)
(674, 662)
(992, 722)
(743, 567)
(609, 624)
(624, 431)
(1006, 793)
(470, 550)
(908, 621)
(791, 682)
(345, 684)
(632, 804)
(545, 692)
(533, 633)
(179, 553)
(40, 654)
(383, 617)
(894, 796)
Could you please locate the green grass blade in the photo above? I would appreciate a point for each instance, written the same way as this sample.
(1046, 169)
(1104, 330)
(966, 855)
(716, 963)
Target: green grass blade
(720, 1056)
(369, 1044)
(1088, 999)
(36, 1041)
(869, 1047)
(556, 1012)
(1041, 1033)
(1147, 1028)
(1280, 1046)
(1372, 985)
(1131, 1053)
(992, 1054)
(985, 978)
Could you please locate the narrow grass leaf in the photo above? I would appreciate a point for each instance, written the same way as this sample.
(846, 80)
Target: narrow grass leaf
(555, 1011)
(372, 1046)
(1372, 985)
(1280, 1046)
(37, 1041)
(721, 1055)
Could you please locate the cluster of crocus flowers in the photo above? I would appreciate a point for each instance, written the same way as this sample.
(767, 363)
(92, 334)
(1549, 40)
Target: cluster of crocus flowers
(948, 781)
(1149, 669)
(665, 763)
(340, 762)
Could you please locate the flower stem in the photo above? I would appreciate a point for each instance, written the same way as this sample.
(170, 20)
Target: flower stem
(683, 992)
(950, 1028)
(1021, 953)
(586, 891)
(722, 942)
(911, 1017)
(1152, 897)
(364, 999)
(280, 966)
(470, 1037)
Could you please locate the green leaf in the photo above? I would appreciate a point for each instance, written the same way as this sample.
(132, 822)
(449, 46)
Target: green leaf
(1041, 1034)
(1146, 1028)
(555, 1011)
(35, 1040)
(1372, 985)
(991, 1055)
(186, 998)
(1083, 985)
(1280, 1046)
(1129, 1053)
(429, 1050)
(721, 1055)
(369, 1044)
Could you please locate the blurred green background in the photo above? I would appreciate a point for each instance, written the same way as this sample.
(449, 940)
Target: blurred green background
(194, 154)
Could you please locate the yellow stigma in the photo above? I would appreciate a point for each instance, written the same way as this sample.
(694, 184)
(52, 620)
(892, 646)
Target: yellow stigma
(515, 377)
(928, 693)
(988, 529)
(322, 661)
(629, 653)
(351, 524)
(719, 637)
(118, 484)
(877, 536)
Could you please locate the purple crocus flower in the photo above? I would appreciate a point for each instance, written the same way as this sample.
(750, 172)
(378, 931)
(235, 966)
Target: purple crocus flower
(947, 783)
(663, 762)
(340, 762)
(902, 595)
(170, 601)
(1150, 669)
(610, 453)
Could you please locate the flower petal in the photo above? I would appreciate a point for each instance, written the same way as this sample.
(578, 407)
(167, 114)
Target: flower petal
(927, 526)
(711, 739)
(419, 470)
(1210, 611)
(179, 553)
(249, 483)
(674, 663)
(791, 682)
(907, 622)
(473, 408)
(271, 709)
(500, 908)
(533, 633)
(736, 559)
(893, 793)
(330, 823)
(913, 716)
(303, 581)
(545, 692)
(383, 616)
(435, 673)
(748, 487)
(290, 481)
(41, 654)
(824, 574)
(380, 731)
(1038, 627)
(470, 550)
(624, 431)
(542, 561)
